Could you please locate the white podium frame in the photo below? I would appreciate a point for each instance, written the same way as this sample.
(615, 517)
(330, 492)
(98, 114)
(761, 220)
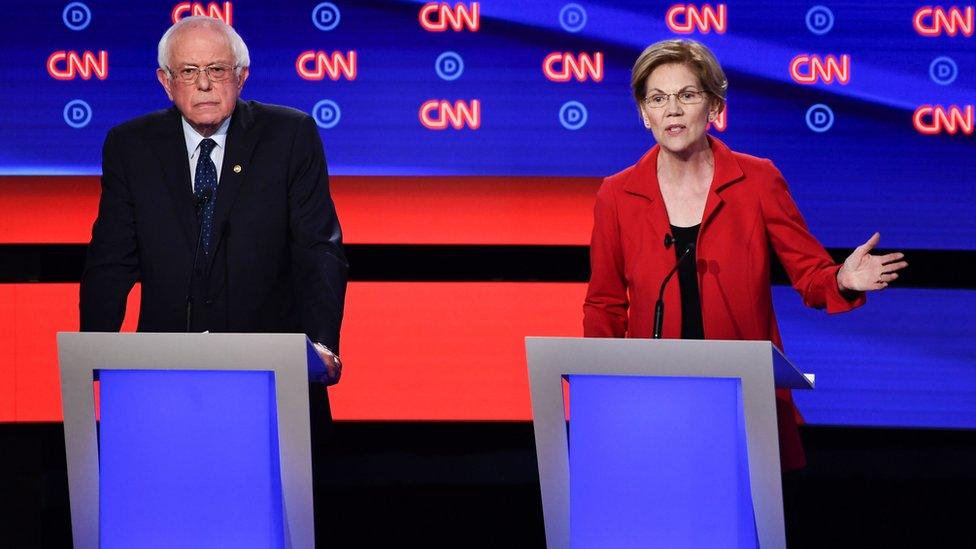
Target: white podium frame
(758, 364)
(289, 356)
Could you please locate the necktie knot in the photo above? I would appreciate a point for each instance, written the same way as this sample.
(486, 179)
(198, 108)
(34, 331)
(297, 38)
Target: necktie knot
(206, 146)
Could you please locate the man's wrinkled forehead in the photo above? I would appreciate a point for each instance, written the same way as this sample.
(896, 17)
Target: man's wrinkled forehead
(200, 44)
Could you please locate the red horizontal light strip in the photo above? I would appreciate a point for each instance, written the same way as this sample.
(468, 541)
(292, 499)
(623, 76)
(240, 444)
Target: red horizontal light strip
(36, 313)
(372, 210)
(8, 353)
(413, 350)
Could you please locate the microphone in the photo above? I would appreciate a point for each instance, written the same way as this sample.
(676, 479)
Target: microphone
(659, 306)
(226, 240)
(199, 201)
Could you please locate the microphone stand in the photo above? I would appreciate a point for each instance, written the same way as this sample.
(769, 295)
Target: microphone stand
(659, 306)
(199, 202)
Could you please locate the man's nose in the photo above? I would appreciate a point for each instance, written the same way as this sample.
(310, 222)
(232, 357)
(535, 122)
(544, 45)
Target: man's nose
(203, 81)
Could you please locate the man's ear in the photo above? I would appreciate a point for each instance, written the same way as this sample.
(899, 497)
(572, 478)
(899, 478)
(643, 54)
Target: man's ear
(165, 81)
(245, 72)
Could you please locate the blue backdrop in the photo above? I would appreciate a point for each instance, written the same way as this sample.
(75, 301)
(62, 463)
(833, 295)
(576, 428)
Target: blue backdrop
(855, 160)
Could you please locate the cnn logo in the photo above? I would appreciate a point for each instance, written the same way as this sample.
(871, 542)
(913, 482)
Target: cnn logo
(316, 65)
(440, 16)
(67, 65)
(935, 119)
(808, 69)
(185, 9)
(934, 21)
(564, 66)
(440, 114)
(688, 18)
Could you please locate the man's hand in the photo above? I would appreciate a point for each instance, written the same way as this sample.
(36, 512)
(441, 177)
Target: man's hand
(333, 366)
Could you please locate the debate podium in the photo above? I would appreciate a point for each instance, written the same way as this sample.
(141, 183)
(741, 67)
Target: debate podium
(201, 440)
(662, 443)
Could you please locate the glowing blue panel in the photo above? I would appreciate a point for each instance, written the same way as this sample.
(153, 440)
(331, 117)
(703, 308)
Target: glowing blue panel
(906, 359)
(658, 462)
(189, 459)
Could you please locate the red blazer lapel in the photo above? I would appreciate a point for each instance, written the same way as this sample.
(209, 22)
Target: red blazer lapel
(643, 182)
(726, 172)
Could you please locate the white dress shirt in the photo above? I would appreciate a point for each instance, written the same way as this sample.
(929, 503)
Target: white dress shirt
(193, 139)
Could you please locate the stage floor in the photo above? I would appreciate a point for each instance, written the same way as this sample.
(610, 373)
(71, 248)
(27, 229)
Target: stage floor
(476, 485)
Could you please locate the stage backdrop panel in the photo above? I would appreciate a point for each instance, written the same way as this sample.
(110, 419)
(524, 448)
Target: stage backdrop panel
(455, 351)
(867, 108)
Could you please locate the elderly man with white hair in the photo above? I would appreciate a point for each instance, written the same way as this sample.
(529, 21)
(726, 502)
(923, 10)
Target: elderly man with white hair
(220, 208)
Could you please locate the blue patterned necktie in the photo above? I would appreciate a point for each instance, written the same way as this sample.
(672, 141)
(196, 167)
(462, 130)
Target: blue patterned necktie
(205, 183)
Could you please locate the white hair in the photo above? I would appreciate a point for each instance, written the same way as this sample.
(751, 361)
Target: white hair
(237, 45)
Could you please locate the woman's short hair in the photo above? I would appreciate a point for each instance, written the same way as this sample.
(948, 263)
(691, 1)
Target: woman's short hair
(690, 53)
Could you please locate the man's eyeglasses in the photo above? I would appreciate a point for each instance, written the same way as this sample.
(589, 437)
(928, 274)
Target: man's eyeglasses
(218, 72)
(685, 97)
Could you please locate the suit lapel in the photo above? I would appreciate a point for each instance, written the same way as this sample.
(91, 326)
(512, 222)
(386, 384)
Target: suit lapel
(175, 164)
(240, 144)
(643, 182)
(725, 173)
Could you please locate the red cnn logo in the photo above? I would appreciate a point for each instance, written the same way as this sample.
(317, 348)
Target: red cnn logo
(563, 67)
(213, 9)
(934, 119)
(807, 69)
(437, 114)
(686, 18)
(65, 65)
(933, 21)
(438, 16)
(315, 65)
(721, 121)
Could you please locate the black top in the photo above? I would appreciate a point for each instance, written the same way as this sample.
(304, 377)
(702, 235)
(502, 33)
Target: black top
(691, 314)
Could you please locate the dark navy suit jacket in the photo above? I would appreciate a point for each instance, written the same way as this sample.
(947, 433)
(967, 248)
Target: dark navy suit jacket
(277, 263)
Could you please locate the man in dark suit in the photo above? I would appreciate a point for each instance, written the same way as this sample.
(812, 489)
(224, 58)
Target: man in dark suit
(221, 208)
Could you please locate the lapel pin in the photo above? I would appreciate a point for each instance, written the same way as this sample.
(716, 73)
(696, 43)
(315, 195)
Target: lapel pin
(237, 168)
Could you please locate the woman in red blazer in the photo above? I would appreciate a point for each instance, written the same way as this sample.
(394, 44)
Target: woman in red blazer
(734, 208)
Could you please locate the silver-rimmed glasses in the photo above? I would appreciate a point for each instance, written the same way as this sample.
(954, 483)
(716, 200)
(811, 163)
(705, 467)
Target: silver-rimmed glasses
(685, 97)
(217, 72)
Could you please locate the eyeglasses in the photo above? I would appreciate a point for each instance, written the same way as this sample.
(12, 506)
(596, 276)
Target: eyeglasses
(685, 97)
(218, 72)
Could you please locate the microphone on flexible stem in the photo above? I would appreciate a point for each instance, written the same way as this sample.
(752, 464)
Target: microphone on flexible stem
(659, 306)
(226, 240)
(199, 202)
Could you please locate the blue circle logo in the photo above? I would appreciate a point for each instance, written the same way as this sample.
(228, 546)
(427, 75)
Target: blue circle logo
(76, 16)
(572, 115)
(77, 113)
(449, 66)
(820, 118)
(572, 18)
(326, 114)
(325, 16)
(820, 19)
(943, 70)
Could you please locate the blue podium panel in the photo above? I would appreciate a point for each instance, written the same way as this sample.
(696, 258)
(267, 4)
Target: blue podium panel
(189, 459)
(658, 462)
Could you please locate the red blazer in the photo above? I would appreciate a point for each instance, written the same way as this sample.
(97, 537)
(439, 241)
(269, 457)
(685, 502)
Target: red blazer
(748, 213)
